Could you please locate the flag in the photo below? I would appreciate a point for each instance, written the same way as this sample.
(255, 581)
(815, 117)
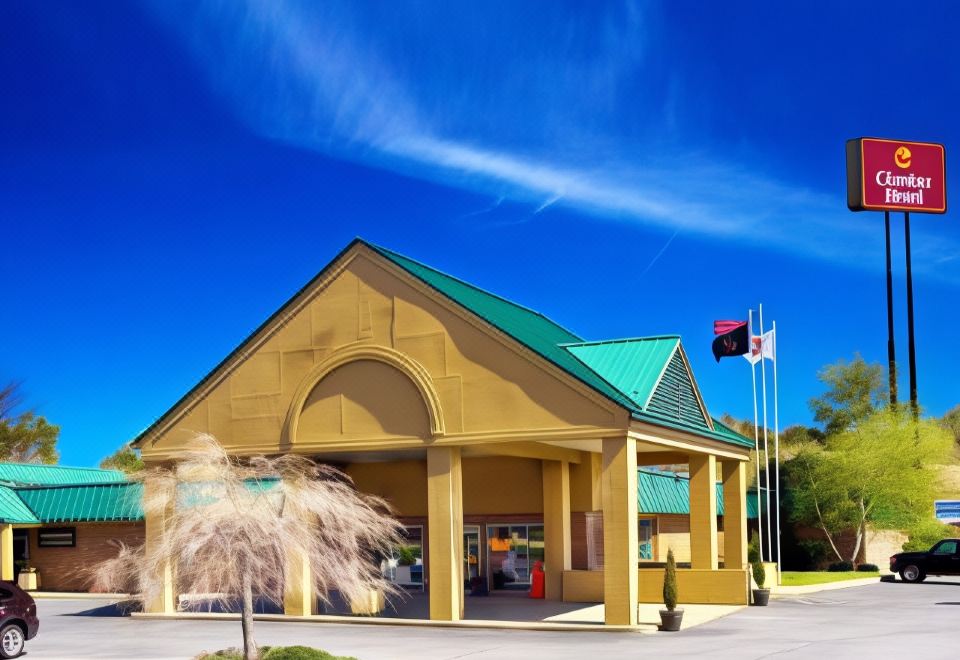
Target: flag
(732, 339)
(723, 327)
(764, 345)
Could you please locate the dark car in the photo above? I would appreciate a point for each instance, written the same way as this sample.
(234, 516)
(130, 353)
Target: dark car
(18, 619)
(942, 559)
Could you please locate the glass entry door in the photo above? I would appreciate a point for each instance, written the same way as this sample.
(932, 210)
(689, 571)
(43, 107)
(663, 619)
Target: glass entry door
(511, 552)
(471, 552)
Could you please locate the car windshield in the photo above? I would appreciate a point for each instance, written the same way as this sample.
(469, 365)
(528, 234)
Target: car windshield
(945, 548)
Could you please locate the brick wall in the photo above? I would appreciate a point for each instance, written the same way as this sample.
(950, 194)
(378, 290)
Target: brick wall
(63, 569)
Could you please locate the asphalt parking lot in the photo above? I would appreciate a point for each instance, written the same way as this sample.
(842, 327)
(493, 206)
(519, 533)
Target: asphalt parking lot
(882, 621)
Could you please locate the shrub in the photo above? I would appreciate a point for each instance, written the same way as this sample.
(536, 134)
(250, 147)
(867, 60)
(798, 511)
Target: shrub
(868, 568)
(753, 548)
(759, 574)
(275, 653)
(840, 567)
(407, 555)
(815, 550)
(300, 653)
(670, 582)
(923, 535)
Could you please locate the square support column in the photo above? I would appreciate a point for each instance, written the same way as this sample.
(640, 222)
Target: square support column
(734, 513)
(298, 596)
(618, 486)
(445, 533)
(703, 511)
(556, 526)
(6, 553)
(163, 601)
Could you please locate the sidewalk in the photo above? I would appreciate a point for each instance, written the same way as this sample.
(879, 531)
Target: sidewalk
(782, 591)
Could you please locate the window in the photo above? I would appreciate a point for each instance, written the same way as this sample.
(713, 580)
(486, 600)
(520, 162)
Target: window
(645, 538)
(946, 548)
(404, 566)
(60, 537)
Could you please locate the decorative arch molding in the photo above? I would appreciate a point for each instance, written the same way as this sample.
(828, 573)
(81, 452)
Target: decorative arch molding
(403, 363)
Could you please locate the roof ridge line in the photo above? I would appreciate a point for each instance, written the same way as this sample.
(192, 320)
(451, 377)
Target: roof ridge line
(623, 340)
(379, 248)
(52, 486)
(59, 467)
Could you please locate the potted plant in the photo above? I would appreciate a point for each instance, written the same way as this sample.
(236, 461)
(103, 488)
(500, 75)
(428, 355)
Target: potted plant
(670, 617)
(28, 578)
(761, 596)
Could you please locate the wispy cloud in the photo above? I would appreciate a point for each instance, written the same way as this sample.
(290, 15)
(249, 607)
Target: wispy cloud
(534, 116)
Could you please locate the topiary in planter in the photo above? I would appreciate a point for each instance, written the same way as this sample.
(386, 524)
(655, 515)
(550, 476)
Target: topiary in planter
(670, 582)
(670, 617)
(759, 574)
(761, 596)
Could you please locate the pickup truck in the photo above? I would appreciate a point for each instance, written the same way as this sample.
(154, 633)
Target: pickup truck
(942, 559)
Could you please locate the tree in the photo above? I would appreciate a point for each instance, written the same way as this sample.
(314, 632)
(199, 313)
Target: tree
(25, 437)
(28, 438)
(951, 421)
(233, 525)
(855, 390)
(881, 472)
(126, 459)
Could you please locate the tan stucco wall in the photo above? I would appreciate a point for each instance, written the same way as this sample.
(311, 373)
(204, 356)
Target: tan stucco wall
(484, 383)
(491, 486)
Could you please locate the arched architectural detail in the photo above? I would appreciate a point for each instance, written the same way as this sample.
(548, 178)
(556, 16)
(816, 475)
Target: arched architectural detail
(403, 363)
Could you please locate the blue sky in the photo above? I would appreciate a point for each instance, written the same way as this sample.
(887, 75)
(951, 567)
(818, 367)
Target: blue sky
(172, 172)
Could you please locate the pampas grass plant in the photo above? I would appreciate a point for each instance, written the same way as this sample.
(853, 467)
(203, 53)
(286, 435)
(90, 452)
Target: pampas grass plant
(232, 525)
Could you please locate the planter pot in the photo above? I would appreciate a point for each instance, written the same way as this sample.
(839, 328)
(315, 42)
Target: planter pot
(370, 605)
(761, 596)
(29, 581)
(670, 620)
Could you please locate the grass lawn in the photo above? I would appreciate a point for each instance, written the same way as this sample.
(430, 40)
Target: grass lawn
(798, 578)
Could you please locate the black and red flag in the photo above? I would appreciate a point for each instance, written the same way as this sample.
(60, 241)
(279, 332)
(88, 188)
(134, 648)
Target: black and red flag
(733, 338)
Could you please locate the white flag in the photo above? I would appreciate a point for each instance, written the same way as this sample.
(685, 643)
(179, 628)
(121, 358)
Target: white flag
(764, 345)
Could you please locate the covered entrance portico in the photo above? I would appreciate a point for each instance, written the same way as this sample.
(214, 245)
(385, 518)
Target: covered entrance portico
(499, 438)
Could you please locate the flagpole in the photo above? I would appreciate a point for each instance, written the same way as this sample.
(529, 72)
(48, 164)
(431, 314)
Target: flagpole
(776, 444)
(756, 435)
(766, 447)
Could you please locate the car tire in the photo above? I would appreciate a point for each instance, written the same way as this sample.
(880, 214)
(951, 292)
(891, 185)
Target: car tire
(12, 640)
(912, 573)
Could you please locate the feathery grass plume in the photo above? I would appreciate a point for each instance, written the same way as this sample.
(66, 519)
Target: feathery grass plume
(232, 525)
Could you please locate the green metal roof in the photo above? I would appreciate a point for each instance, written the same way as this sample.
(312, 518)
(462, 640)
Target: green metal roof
(633, 366)
(13, 510)
(668, 492)
(36, 474)
(84, 503)
(568, 351)
(530, 328)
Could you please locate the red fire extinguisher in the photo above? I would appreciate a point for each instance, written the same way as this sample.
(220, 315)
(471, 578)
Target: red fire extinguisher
(537, 580)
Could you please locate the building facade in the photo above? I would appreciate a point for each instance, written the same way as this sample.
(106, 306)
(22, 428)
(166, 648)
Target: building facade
(486, 425)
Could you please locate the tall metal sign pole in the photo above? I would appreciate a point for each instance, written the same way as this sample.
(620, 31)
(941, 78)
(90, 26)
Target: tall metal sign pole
(897, 175)
(891, 351)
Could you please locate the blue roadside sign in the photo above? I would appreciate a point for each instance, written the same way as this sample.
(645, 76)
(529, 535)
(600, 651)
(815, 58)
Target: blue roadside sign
(947, 511)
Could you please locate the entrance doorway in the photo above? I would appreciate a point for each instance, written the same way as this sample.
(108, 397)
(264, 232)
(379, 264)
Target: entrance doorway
(21, 550)
(471, 552)
(512, 550)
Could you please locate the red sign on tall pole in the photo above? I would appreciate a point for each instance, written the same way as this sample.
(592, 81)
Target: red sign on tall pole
(896, 175)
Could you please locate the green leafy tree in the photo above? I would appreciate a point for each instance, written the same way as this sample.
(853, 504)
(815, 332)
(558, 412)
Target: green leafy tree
(855, 390)
(951, 422)
(25, 437)
(126, 459)
(925, 533)
(881, 472)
